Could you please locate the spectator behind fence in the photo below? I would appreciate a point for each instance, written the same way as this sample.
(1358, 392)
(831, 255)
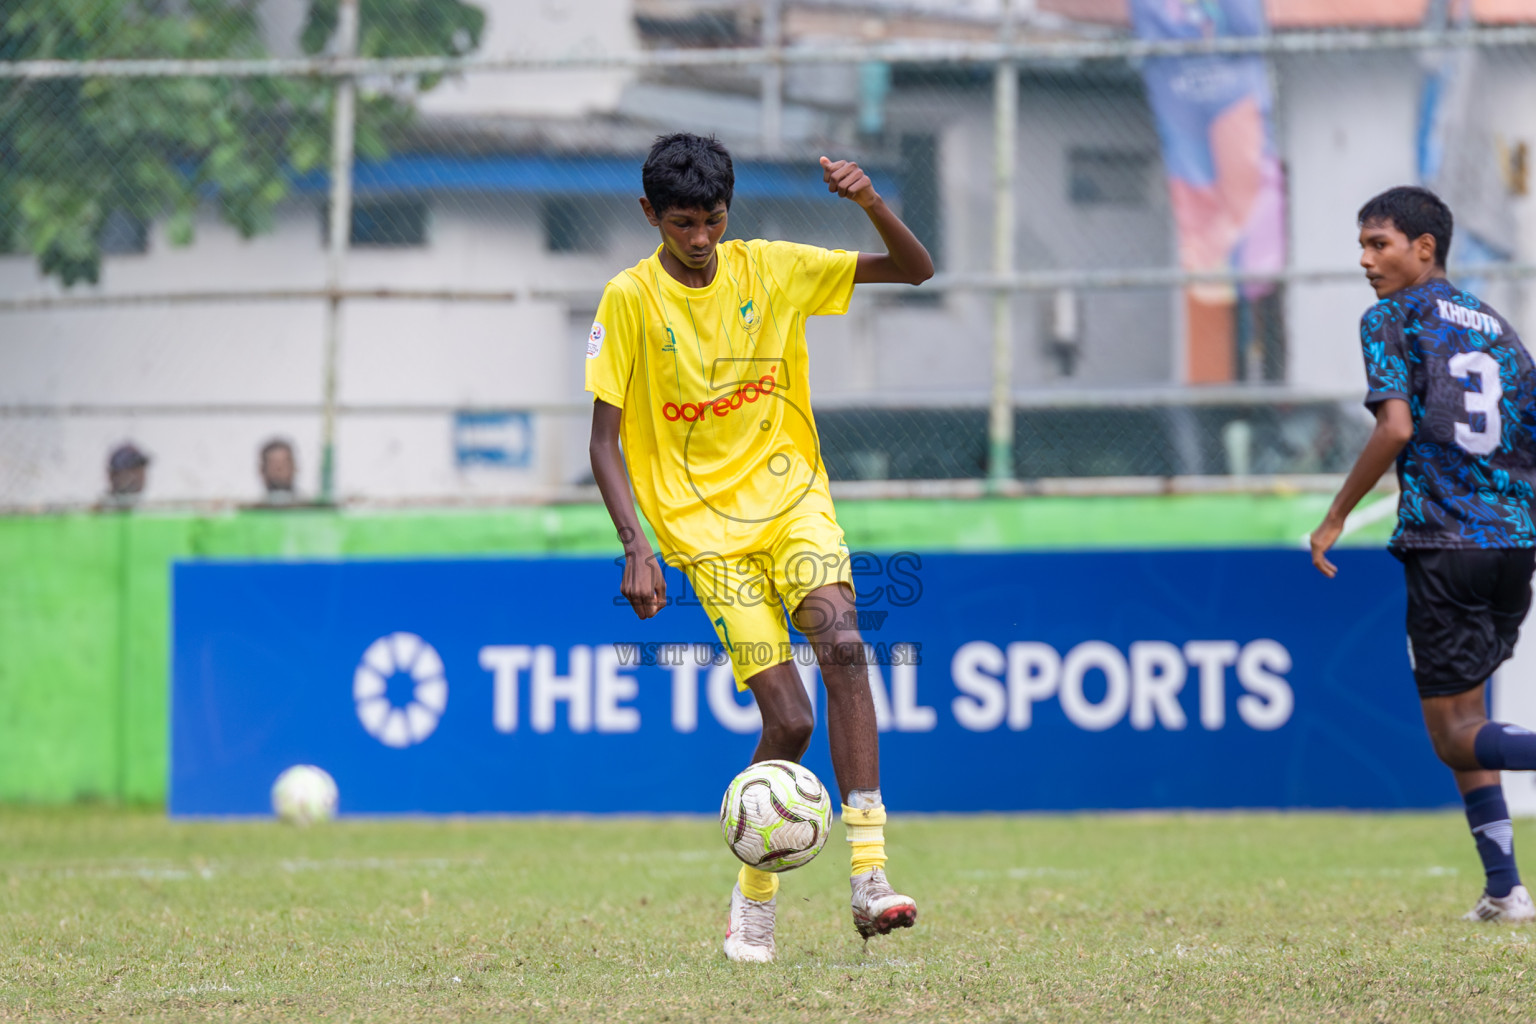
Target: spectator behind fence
(277, 472)
(127, 472)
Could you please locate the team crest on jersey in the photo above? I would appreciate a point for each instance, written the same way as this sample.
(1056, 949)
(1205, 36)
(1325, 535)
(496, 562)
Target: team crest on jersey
(750, 319)
(595, 340)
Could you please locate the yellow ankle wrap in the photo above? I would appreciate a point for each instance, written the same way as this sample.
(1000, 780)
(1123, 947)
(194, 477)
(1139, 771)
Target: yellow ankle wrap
(866, 834)
(864, 825)
(759, 886)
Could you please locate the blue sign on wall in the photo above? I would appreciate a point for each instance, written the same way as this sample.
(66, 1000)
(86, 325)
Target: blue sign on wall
(500, 439)
(1007, 682)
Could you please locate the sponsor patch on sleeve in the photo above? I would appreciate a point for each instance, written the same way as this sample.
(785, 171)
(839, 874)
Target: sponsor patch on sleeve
(595, 341)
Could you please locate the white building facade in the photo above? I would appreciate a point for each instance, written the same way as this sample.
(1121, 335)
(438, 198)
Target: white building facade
(525, 183)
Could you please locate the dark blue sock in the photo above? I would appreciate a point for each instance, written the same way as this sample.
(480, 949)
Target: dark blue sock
(1501, 747)
(1495, 836)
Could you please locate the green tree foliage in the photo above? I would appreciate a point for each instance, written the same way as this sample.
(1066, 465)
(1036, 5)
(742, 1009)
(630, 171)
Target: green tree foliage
(75, 151)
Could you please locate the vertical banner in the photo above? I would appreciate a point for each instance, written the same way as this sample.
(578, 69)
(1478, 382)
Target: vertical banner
(1459, 155)
(1224, 177)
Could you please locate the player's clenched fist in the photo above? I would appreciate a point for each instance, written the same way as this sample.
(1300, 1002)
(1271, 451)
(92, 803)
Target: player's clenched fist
(848, 180)
(644, 585)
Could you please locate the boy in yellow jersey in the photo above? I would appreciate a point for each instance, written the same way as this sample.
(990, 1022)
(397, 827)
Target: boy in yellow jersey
(698, 364)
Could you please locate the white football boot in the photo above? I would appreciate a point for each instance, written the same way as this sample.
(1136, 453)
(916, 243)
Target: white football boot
(1516, 908)
(877, 908)
(749, 932)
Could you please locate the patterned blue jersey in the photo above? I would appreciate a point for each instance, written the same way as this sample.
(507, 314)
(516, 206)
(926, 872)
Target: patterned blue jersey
(1468, 476)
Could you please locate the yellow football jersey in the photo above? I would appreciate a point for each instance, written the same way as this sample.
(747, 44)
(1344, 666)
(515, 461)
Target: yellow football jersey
(715, 388)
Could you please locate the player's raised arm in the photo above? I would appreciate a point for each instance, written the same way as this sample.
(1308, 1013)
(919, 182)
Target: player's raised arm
(906, 260)
(643, 583)
(1394, 429)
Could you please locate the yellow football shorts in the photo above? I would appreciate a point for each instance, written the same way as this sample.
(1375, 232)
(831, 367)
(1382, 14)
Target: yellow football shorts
(746, 596)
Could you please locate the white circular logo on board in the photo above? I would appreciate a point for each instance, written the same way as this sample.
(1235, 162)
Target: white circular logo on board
(595, 341)
(392, 655)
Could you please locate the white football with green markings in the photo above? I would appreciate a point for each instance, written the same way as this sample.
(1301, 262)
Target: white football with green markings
(776, 815)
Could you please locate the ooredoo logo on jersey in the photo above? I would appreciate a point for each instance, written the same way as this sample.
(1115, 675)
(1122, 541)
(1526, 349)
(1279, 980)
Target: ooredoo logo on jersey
(751, 391)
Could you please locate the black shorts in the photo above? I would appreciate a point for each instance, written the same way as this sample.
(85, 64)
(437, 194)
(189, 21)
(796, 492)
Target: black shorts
(1465, 607)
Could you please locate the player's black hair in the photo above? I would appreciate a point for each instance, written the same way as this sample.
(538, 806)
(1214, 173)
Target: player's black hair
(273, 445)
(1413, 211)
(687, 172)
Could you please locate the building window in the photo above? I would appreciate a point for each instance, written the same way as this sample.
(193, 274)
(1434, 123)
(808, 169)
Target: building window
(382, 223)
(123, 234)
(1108, 176)
(571, 225)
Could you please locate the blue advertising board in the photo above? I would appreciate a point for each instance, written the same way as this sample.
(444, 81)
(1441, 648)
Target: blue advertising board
(1204, 679)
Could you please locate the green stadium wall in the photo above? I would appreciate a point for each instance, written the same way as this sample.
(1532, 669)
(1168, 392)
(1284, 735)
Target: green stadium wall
(85, 598)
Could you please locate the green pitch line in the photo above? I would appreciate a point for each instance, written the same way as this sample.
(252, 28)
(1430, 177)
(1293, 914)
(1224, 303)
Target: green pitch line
(1241, 917)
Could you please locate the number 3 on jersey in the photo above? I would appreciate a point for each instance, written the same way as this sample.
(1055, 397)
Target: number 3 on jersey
(1484, 401)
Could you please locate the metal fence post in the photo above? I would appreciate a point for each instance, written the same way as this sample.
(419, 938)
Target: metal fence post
(343, 124)
(773, 78)
(1005, 107)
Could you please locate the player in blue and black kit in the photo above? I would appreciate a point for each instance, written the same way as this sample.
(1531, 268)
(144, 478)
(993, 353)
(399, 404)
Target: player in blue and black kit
(1454, 394)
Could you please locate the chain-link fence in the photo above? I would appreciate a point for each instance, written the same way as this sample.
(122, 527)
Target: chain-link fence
(292, 250)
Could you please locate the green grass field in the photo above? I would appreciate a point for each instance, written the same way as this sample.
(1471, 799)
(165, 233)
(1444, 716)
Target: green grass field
(1234, 917)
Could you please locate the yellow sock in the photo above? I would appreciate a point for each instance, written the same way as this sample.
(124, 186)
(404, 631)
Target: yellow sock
(866, 834)
(760, 886)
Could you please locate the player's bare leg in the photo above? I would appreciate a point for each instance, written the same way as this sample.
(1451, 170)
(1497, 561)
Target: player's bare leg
(828, 619)
(788, 718)
(1455, 724)
(826, 616)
